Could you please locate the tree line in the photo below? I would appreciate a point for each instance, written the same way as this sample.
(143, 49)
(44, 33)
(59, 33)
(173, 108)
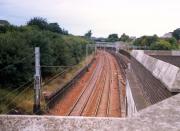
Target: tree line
(115, 37)
(157, 43)
(17, 43)
(151, 42)
(160, 43)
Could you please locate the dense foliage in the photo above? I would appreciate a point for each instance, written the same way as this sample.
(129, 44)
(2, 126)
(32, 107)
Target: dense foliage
(156, 43)
(42, 24)
(125, 38)
(17, 51)
(112, 38)
(176, 34)
(88, 34)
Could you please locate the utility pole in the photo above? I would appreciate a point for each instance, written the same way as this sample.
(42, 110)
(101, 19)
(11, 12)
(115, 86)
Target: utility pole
(87, 57)
(95, 50)
(117, 49)
(37, 82)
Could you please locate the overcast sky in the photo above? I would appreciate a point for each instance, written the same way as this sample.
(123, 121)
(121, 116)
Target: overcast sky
(133, 17)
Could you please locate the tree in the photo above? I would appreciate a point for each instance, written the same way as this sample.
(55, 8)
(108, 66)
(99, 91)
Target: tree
(4, 22)
(17, 51)
(124, 38)
(113, 38)
(39, 22)
(88, 34)
(161, 45)
(15, 60)
(146, 40)
(54, 27)
(173, 42)
(65, 32)
(176, 34)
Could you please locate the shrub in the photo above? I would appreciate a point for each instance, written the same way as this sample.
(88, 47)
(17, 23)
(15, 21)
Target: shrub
(18, 55)
(17, 50)
(161, 45)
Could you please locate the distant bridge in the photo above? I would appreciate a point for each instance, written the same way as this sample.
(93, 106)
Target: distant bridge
(120, 45)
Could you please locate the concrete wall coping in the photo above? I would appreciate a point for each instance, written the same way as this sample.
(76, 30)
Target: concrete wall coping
(164, 116)
(164, 53)
(167, 73)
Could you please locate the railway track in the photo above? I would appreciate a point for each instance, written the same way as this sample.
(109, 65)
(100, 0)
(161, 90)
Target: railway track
(114, 99)
(65, 104)
(106, 92)
(93, 104)
(82, 101)
(97, 94)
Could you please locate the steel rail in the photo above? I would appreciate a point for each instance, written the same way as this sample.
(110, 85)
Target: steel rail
(87, 85)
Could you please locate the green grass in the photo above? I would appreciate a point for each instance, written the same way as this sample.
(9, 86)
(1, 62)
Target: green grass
(23, 101)
(16, 100)
(60, 81)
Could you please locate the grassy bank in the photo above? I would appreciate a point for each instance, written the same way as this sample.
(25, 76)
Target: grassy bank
(22, 102)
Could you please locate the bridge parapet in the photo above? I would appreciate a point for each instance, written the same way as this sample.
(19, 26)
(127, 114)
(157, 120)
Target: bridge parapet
(161, 116)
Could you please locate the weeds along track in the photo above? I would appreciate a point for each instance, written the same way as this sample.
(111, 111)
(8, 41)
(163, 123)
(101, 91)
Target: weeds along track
(97, 93)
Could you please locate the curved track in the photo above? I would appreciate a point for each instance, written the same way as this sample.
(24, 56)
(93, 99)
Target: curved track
(97, 93)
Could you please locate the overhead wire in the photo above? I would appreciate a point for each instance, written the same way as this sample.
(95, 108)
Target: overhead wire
(8, 66)
(17, 89)
(16, 97)
(43, 66)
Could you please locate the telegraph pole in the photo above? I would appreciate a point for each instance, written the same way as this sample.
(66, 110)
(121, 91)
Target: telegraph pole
(87, 57)
(37, 82)
(95, 50)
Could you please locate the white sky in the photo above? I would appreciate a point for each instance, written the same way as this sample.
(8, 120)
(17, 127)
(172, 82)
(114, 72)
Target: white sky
(133, 17)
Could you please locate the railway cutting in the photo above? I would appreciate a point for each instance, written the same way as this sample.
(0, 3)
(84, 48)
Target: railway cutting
(96, 93)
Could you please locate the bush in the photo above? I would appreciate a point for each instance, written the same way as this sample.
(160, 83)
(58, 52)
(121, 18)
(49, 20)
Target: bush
(161, 45)
(113, 38)
(146, 40)
(17, 50)
(173, 42)
(125, 38)
(18, 55)
(156, 43)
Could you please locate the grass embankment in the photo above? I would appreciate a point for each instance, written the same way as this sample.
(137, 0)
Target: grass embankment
(61, 80)
(17, 43)
(23, 101)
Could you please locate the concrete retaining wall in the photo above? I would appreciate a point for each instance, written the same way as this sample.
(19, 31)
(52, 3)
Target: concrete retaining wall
(131, 107)
(165, 72)
(172, 57)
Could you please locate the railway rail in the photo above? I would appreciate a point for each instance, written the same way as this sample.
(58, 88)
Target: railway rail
(97, 93)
